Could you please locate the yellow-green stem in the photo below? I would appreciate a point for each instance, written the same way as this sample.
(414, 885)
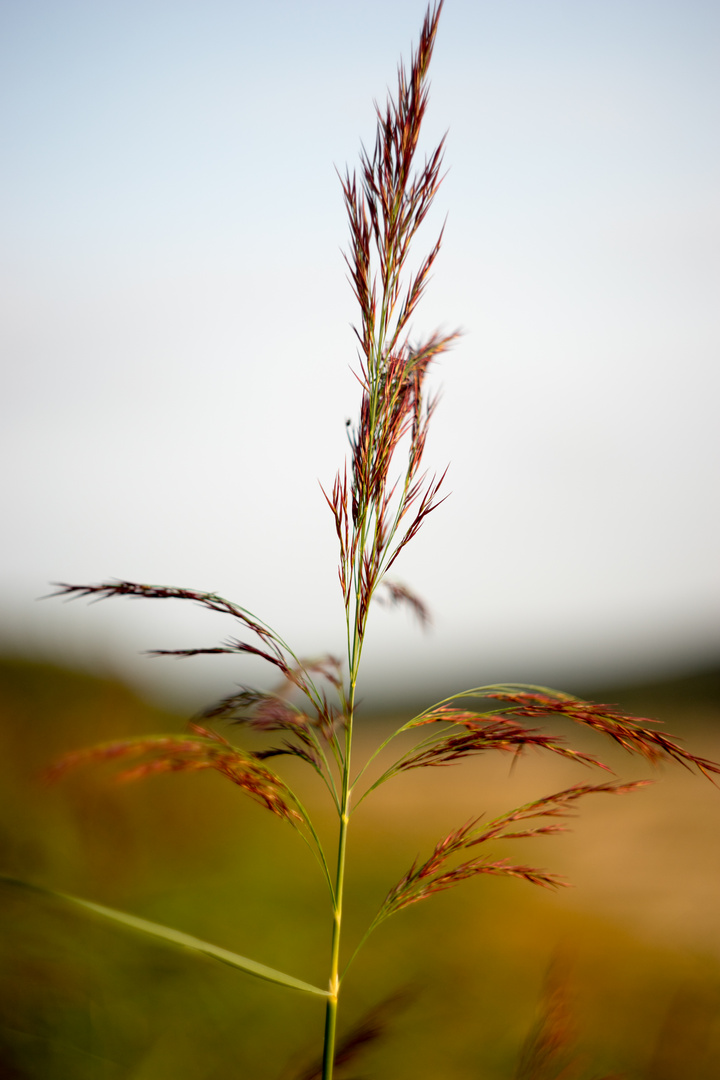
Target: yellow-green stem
(334, 987)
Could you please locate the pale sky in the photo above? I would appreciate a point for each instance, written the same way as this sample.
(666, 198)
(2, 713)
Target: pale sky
(177, 348)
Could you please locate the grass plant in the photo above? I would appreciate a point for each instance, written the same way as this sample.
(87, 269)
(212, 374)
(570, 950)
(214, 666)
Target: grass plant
(378, 503)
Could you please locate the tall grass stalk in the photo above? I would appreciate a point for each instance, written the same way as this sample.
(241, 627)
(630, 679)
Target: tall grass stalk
(378, 502)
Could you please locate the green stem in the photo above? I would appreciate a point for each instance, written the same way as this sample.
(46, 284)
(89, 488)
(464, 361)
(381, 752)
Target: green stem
(334, 986)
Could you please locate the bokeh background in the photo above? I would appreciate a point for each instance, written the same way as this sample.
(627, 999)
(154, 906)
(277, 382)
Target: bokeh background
(177, 353)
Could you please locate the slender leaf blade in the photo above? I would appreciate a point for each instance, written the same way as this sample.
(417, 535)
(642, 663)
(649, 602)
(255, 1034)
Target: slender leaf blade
(175, 937)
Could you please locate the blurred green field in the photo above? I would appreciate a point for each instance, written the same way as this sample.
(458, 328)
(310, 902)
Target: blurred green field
(639, 934)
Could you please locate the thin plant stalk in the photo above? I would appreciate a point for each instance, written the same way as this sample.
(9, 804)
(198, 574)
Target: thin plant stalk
(331, 1009)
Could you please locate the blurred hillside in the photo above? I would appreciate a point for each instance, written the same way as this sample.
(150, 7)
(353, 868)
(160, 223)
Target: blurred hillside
(639, 933)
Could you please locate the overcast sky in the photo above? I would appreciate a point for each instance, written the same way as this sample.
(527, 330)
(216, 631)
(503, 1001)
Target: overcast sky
(176, 336)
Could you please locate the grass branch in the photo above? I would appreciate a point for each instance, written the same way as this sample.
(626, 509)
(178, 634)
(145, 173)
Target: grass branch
(381, 497)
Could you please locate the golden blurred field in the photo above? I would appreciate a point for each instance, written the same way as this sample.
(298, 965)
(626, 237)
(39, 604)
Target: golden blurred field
(638, 935)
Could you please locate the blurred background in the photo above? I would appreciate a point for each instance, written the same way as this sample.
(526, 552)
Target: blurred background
(633, 947)
(177, 340)
(177, 352)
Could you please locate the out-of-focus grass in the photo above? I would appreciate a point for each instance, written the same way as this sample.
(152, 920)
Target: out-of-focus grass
(82, 999)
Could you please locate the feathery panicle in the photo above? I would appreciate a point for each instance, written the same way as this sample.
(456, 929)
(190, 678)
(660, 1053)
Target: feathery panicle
(274, 648)
(230, 646)
(427, 878)
(204, 749)
(482, 733)
(628, 731)
(162, 592)
(296, 673)
(275, 711)
(559, 805)
(386, 203)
